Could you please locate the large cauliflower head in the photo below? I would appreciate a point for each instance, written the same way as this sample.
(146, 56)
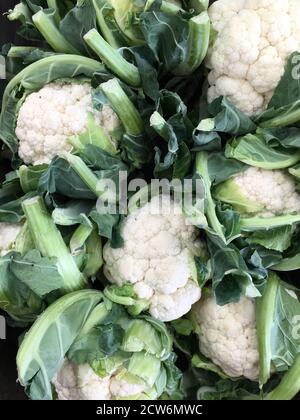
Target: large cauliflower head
(158, 258)
(8, 236)
(254, 40)
(228, 336)
(80, 382)
(261, 192)
(56, 112)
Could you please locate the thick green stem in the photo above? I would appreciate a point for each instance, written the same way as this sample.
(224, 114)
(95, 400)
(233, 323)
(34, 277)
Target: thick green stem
(20, 12)
(84, 172)
(198, 42)
(79, 238)
(253, 224)
(47, 27)
(123, 107)
(289, 386)
(53, 5)
(49, 241)
(113, 59)
(106, 31)
(264, 320)
(202, 170)
(94, 259)
(283, 120)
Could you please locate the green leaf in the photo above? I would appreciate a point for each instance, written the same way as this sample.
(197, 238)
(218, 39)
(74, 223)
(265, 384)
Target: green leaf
(253, 150)
(288, 89)
(55, 329)
(60, 178)
(39, 274)
(278, 239)
(278, 314)
(228, 119)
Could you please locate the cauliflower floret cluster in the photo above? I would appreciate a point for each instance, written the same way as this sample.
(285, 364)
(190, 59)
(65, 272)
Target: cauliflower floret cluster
(228, 335)
(8, 235)
(274, 190)
(50, 116)
(247, 60)
(158, 258)
(80, 382)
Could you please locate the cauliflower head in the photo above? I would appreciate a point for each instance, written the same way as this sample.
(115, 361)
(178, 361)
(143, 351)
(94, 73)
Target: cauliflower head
(8, 235)
(265, 193)
(56, 112)
(228, 336)
(80, 382)
(254, 39)
(158, 258)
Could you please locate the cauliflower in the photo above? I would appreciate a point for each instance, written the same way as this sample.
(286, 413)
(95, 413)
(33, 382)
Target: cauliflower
(56, 112)
(158, 258)
(227, 335)
(263, 192)
(80, 382)
(8, 234)
(254, 40)
(274, 190)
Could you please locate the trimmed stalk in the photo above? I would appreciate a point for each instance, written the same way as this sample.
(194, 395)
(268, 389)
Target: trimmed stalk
(113, 59)
(253, 224)
(202, 170)
(47, 27)
(49, 241)
(264, 320)
(289, 386)
(123, 107)
(198, 42)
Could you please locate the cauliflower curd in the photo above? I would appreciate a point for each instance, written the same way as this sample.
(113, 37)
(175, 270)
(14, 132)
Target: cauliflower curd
(158, 258)
(254, 40)
(56, 112)
(228, 335)
(80, 382)
(260, 192)
(8, 235)
(274, 190)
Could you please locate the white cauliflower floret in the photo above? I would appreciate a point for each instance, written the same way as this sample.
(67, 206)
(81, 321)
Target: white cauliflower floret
(247, 60)
(80, 382)
(120, 388)
(274, 190)
(228, 335)
(56, 112)
(8, 236)
(74, 382)
(158, 258)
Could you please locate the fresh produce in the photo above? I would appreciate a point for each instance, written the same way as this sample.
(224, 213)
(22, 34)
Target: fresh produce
(103, 353)
(253, 42)
(155, 269)
(149, 199)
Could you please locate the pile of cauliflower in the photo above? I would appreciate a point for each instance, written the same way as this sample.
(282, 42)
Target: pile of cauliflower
(56, 112)
(254, 40)
(158, 258)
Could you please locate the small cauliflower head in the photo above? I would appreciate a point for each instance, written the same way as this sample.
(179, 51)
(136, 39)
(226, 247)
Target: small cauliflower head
(157, 258)
(8, 236)
(56, 112)
(260, 192)
(228, 336)
(80, 382)
(254, 39)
